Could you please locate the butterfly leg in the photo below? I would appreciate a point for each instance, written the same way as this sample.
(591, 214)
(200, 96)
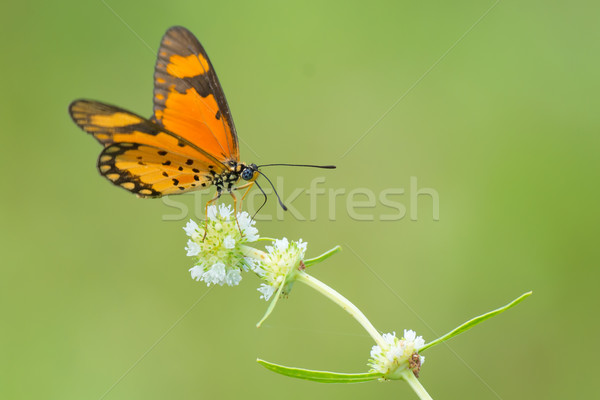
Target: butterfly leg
(247, 185)
(235, 211)
(208, 203)
(235, 202)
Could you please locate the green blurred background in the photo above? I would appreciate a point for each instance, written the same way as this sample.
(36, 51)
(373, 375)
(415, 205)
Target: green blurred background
(505, 128)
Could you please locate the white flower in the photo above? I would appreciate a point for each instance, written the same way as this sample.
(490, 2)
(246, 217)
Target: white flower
(411, 336)
(266, 290)
(397, 355)
(233, 277)
(211, 213)
(277, 266)
(229, 242)
(220, 246)
(215, 274)
(246, 225)
(197, 272)
(225, 211)
(191, 228)
(193, 248)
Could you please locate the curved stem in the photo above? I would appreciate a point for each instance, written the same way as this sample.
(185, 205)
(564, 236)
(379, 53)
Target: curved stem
(322, 257)
(414, 383)
(343, 302)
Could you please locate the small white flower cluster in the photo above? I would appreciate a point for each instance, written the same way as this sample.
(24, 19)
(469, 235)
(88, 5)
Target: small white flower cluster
(281, 260)
(399, 355)
(219, 246)
(222, 252)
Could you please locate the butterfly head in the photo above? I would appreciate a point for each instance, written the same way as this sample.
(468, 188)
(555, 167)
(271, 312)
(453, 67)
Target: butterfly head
(250, 173)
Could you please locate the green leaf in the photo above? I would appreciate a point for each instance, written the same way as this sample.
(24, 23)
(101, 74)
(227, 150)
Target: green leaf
(319, 376)
(264, 239)
(271, 305)
(323, 256)
(471, 323)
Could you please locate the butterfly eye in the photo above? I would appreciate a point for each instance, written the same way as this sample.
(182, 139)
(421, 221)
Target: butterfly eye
(247, 174)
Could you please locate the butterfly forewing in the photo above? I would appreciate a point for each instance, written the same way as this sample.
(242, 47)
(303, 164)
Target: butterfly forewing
(188, 99)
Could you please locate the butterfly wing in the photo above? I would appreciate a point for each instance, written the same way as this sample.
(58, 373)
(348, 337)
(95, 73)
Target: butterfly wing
(149, 171)
(142, 156)
(188, 98)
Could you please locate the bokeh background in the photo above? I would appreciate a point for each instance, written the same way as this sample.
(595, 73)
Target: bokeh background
(505, 128)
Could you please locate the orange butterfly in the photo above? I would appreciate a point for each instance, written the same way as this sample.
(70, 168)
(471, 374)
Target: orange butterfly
(189, 143)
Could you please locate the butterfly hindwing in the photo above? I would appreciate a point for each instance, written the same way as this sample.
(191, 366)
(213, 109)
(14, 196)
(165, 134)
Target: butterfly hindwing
(150, 171)
(188, 98)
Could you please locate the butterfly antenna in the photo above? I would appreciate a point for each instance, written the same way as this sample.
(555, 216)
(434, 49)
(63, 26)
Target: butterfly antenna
(264, 202)
(298, 165)
(276, 194)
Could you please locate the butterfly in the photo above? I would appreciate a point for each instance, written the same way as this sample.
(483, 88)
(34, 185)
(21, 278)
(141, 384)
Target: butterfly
(189, 143)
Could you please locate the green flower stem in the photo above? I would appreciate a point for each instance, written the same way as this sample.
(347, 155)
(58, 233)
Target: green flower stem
(414, 383)
(342, 302)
